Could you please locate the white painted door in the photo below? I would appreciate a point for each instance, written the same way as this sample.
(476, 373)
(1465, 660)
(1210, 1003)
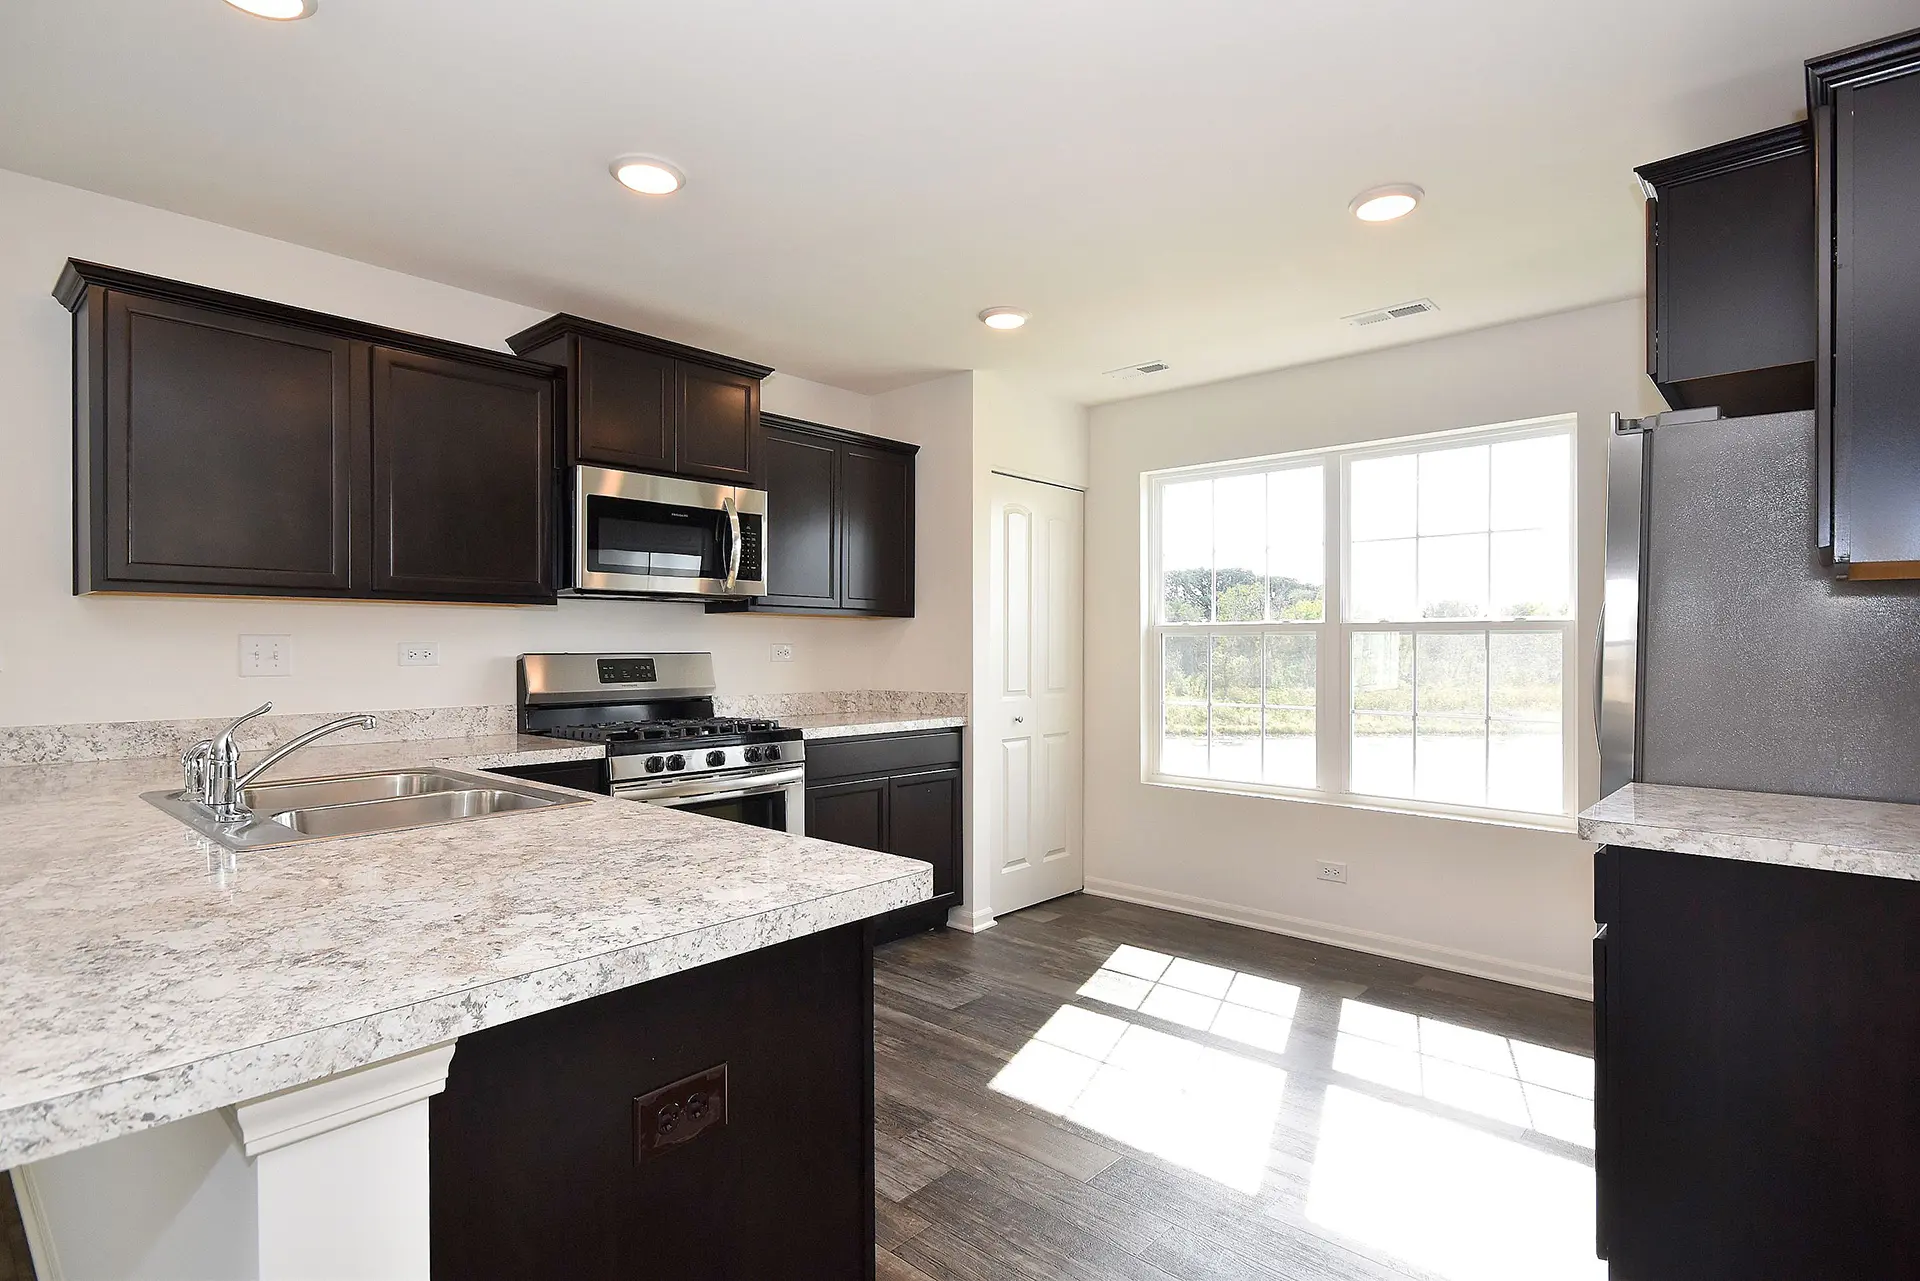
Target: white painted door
(1031, 722)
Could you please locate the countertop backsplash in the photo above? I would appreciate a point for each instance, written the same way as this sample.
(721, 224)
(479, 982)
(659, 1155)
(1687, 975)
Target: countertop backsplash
(128, 740)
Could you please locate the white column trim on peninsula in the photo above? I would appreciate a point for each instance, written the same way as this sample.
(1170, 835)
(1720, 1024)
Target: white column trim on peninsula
(323, 1182)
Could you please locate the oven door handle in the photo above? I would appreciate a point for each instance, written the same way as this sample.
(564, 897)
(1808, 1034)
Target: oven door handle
(732, 510)
(692, 791)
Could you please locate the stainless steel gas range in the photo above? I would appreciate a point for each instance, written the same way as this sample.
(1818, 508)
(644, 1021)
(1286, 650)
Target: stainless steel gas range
(665, 746)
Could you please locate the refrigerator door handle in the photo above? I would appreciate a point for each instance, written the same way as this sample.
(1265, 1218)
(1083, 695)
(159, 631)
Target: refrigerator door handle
(1599, 671)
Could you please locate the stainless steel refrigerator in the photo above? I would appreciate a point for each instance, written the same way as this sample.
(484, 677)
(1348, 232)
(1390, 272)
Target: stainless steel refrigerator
(1732, 657)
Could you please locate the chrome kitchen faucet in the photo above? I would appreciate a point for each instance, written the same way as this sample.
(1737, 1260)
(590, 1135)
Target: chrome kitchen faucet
(211, 767)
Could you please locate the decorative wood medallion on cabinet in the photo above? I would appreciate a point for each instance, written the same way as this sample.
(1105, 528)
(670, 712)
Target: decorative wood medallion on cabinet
(228, 445)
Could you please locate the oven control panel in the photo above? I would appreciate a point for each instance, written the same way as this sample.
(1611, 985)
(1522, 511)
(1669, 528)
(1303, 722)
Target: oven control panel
(693, 759)
(627, 671)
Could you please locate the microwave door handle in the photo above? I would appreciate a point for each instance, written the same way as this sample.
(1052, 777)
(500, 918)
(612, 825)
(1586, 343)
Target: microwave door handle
(733, 547)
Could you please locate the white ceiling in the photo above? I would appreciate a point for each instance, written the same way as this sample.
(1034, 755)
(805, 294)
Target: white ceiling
(1152, 180)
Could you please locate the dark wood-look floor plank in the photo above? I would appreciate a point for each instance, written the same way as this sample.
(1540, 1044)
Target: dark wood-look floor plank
(1027, 1194)
(889, 1266)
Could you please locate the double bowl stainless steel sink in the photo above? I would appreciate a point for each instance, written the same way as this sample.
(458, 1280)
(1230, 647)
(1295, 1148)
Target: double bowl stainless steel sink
(312, 809)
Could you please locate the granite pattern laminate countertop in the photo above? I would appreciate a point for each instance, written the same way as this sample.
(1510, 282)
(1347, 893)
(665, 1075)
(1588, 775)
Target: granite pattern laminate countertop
(855, 724)
(1868, 838)
(148, 975)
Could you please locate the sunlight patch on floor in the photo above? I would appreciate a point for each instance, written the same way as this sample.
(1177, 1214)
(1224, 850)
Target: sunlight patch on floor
(1208, 998)
(1448, 1197)
(1201, 1108)
(1531, 1086)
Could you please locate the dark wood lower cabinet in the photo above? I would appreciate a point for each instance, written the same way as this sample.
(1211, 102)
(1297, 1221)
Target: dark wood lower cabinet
(533, 1144)
(582, 776)
(1757, 1098)
(901, 793)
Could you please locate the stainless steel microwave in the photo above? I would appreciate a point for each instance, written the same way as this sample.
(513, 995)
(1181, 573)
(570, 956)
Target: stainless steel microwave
(636, 534)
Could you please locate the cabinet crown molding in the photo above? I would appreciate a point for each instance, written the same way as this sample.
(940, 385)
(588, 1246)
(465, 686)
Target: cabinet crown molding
(562, 325)
(1863, 64)
(1725, 157)
(78, 275)
(840, 434)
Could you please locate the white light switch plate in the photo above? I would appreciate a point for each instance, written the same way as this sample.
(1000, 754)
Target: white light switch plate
(783, 653)
(419, 653)
(266, 655)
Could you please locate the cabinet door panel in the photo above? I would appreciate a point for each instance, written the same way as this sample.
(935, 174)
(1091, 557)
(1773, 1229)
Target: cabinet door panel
(462, 483)
(849, 813)
(803, 499)
(626, 406)
(1877, 314)
(876, 530)
(923, 822)
(1736, 272)
(719, 425)
(229, 450)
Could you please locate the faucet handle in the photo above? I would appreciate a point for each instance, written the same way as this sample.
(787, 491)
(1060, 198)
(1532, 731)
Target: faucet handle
(223, 742)
(194, 765)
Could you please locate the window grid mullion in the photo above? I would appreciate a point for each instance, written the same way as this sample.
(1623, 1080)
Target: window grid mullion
(1333, 683)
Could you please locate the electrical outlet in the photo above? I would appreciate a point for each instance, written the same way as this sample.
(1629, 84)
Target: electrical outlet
(1335, 872)
(679, 1113)
(266, 655)
(419, 653)
(783, 653)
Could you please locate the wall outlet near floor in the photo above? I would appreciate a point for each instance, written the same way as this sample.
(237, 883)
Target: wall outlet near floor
(419, 653)
(266, 655)
(1335, 872)
(783, 653)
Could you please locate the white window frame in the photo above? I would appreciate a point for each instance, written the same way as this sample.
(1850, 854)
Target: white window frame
(1333, 714)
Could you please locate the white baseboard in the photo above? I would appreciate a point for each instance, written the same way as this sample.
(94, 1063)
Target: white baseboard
(965, 918)
(1524, 974)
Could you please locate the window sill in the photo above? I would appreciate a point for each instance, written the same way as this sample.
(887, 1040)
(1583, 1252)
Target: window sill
(1561, 824)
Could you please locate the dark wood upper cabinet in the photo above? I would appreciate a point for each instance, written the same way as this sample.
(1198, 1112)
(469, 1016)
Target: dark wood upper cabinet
(840, 522)
(877, 543)
(623, 405)
(803, 519)
(229, 445)
(719, 425)
(215, 451)
(1865, 104)
(647, 404)
(462, 479)
(1731, 290)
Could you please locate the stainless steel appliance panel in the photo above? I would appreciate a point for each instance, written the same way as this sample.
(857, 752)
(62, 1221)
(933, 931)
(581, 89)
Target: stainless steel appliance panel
(1760, 671)
(638, 534)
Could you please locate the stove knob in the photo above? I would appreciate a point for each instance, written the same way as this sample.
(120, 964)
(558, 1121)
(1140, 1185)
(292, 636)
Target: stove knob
(676, 761)
(655, 764)
(716, 758)
(752, 755)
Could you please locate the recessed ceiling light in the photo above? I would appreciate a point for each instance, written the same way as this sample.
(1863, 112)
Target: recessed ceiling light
(278, 10)
(1384, 204)
(648, 175)
(1003, 318)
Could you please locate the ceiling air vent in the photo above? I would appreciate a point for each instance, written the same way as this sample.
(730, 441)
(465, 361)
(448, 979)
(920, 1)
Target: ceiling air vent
(1399, 311)
(1140, 370)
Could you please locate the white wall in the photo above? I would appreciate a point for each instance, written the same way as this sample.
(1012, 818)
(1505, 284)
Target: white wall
(1506, 902)
(1028, 433)
(65, 658)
